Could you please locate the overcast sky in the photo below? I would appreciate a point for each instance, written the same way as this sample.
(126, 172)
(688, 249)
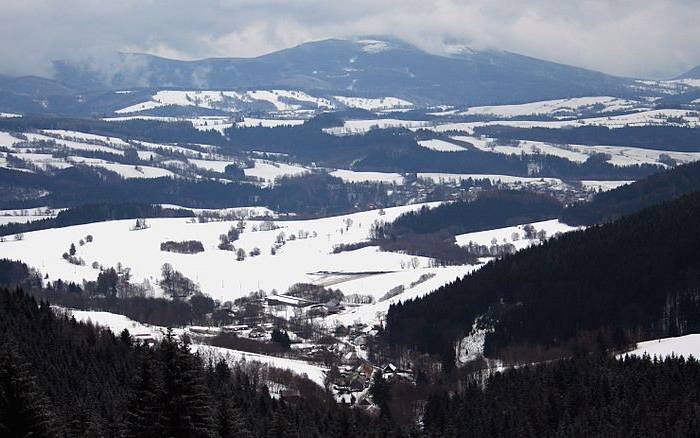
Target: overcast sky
(643, 38)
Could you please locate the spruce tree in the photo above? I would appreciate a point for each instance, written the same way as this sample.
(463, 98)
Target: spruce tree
(24, 409)
(145, 410)
(186, 402)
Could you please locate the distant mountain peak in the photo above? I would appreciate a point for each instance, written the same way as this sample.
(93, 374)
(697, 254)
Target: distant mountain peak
(691, 74)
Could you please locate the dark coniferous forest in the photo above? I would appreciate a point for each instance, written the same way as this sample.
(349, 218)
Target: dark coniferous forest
(60, 378)
(356, 235)
(607, 206)
(613, 284)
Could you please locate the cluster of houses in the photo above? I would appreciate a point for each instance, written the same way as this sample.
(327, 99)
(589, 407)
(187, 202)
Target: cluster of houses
(352, 383)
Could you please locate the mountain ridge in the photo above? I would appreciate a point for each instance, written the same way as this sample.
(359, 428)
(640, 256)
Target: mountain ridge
(362, 65)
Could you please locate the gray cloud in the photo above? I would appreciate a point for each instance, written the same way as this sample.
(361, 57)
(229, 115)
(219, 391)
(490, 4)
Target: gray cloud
(625, 37)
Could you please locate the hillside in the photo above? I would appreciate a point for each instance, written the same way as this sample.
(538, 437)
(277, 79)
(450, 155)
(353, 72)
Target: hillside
(631, 198)
(94, 383)
(366, 66)
(603, 287)
(693, 73)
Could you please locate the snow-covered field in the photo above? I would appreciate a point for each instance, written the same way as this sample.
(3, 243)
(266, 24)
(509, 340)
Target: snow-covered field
(72, 144)
(384, 103)
(619, 155)
(128, 171)
(204, 99)
(85, 137)
(239, 212)
(365, 271)
(269, 171)
(666, 117)
(230, 101)
(440, 145)
(377, 286)
(314, 372)
(514, 235)
(268, 123)
(281, 99)
(351, 127)
(688, 345)
(117, 323)
(214, 165)
(440, 178)
(217, 271)
(560, 108)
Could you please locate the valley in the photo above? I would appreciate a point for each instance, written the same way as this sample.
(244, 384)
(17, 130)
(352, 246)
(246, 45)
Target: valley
(349, 235)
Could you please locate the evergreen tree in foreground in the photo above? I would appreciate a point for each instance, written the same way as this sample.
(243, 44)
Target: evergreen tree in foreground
(24, 409)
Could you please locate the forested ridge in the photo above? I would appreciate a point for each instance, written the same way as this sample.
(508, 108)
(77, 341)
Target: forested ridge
(89, 213)
(388, 150)
(60, 378)
(602, 287)
(672, 138)
(314, 193)
(660, 187)
(491, 209)
(431, 232)
(63, 378)
(582, 397)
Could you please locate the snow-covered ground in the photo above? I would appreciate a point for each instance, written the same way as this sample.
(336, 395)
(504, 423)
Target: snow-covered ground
(560, 108)
(242, 212)
(688, 345)
(281, 99)
(665, 117)
(72, 144)
(214, 165)
(377, 286)
(619, 155)
(353, 176)
(85, 137)
(370, 104)
(440, 145)
(217, 271)
(230, 101)
(8, 140)
(201, 98)
(129, 171)
(505, 179)
(314, 372)
(269, 170)
(603, 186)
(268, 123)
(514, 235)
(117, 323)
(351, 127)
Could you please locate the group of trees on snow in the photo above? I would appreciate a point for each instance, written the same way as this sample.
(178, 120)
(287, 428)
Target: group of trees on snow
(183, 247)
(430, 231)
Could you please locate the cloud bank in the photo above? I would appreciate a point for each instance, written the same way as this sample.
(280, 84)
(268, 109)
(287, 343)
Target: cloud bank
(654, 39)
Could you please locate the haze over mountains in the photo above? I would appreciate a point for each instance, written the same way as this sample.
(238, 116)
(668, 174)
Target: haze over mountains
(349, 237)
(363, 66)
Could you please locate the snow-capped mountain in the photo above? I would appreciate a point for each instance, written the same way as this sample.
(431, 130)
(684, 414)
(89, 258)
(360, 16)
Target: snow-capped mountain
(363, 65)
